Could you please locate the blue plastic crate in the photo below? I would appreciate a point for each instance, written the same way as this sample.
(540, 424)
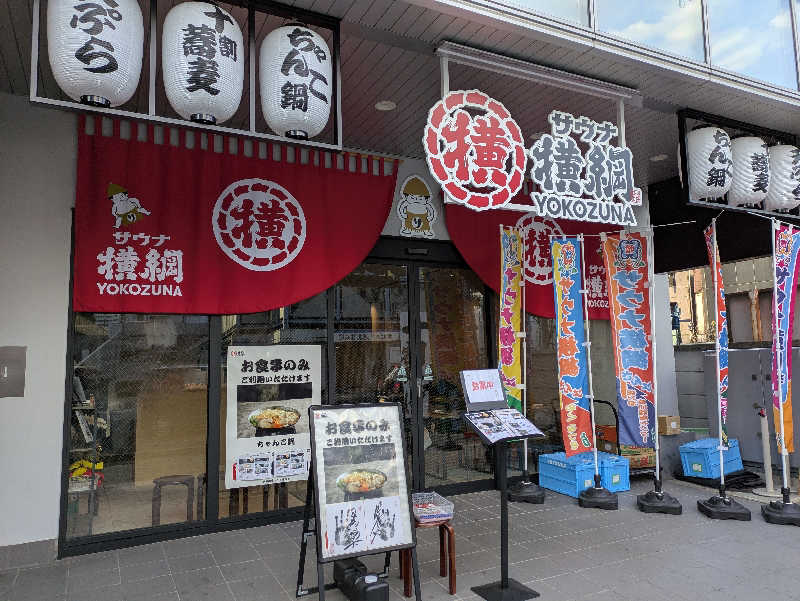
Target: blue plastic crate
(615, 472)
(700, 458)
(570, 476)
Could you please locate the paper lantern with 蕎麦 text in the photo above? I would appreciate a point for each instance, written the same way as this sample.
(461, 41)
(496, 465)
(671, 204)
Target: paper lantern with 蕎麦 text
(750, 172)
(95, 49)
(784, 178)
(708, 156)
(202, 62)
(295, 76)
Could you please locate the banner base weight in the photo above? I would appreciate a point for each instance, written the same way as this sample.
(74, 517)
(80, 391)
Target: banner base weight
(658, 502)
(778, 512)
(526, 492)
(598, 497)
(723, 508)
(514, 592)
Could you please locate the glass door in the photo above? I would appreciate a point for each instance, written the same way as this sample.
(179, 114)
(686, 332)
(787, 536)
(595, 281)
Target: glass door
(372, 339)
(406, 343)
(451, 305)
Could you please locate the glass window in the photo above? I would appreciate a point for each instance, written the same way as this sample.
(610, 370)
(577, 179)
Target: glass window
(137, 444)
(570, 10)
(675, 26)
(301, 323)
(754, 39)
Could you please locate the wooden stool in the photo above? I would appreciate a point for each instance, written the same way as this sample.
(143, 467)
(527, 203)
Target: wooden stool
(159, 483)
(447, 558)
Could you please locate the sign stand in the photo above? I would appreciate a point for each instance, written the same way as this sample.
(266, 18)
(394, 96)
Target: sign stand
(594, 497)
(495, 427)
(358, 495)
(656, 501)
(782, 512)
(721, 506)
(308, 532)
(506, 589)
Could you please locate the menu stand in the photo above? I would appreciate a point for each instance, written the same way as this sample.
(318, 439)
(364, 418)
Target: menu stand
(506, 589)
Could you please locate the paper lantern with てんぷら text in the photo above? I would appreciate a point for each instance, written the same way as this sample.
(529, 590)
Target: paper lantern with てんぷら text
(784, 178)
(95, 49)
(750, 172)
(708, 157)
(202, 62)
(295, 73)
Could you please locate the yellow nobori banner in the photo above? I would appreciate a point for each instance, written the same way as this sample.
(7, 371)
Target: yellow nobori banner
(509, 345)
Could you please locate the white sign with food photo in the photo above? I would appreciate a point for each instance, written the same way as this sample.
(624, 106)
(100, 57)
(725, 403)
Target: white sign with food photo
(360, 475)
(269, 391)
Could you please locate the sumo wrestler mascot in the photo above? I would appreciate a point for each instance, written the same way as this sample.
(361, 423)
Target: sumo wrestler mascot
(415, 209)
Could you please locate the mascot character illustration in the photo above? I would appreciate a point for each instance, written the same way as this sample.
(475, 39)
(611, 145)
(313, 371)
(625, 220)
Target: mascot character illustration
(415, 209)
(126, 210)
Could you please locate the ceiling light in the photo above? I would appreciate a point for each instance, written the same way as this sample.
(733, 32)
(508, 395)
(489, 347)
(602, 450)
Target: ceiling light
(659, 157)
(385, 105)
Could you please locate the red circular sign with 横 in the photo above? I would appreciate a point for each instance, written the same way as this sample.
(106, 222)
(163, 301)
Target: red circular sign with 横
(478, 160)
(537, 232)
(259, 224)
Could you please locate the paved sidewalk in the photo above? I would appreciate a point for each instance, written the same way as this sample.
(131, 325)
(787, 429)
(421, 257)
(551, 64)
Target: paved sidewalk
(558, 549)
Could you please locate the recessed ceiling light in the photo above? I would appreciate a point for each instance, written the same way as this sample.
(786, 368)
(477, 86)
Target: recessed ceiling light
(659, 157)
(385, 105)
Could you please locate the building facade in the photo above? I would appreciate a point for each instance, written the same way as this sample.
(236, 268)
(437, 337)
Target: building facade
(136, 401)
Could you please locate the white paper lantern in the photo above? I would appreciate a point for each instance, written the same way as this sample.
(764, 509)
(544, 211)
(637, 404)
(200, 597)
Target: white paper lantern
(202, 62)
(708, 156)
(95, 49)
(295, 77)
(750, 171)
(784, 179)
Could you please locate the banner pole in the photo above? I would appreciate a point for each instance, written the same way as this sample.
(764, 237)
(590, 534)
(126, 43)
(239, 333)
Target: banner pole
(784, 511)
(596, 496)
(720, 507)
(525, 490)
(715, 252)
(778, 356)
(524, 344)
(588, 344)
(651, 288)
(655, 501)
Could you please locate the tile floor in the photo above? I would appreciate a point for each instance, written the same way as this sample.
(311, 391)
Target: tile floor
(558, 549)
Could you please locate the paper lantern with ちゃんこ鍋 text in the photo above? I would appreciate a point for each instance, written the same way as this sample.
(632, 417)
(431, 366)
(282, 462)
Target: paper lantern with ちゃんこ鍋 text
(295, 77)
(708, 157)
(784, 178)
(750, 181)
(95, 49)
(202, 62)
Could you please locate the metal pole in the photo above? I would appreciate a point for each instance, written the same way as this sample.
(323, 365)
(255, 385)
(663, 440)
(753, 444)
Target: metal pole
(503, 516)
(524, 343)
(765, 451)
(445, 75)
(588, 345)
(778, 358)
(651, 287)
(714, 254)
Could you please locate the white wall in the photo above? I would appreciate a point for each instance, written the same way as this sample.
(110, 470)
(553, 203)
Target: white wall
(37, 188)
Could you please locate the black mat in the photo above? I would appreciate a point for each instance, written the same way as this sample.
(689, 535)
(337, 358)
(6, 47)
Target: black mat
(741, 480)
